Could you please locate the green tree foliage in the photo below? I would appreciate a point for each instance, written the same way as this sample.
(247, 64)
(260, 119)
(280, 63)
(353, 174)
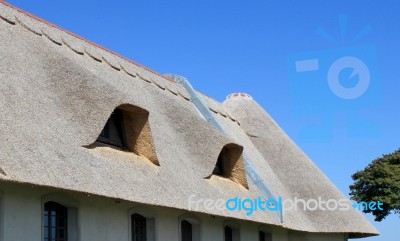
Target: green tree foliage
(379, 181)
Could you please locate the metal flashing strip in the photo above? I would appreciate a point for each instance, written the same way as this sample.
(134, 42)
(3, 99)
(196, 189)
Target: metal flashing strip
(210, 118)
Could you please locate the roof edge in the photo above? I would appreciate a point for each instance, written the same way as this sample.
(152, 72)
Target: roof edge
(83, 39)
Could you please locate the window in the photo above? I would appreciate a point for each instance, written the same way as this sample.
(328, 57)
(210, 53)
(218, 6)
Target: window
(228, 233)
(138, 227)
(230, 164)
(60, 220)
(55, 222)
(265, 236)
(189, 228)
(186, 229)
(142, 224)
(262, 236)
(231, 232)
(128, 129)
(113, 132)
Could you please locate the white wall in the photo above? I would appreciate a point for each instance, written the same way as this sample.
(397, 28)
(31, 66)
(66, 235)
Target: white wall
(104, 219)
(21, 216)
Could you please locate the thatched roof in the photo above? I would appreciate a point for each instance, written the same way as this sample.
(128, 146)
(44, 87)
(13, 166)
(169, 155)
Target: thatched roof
(57, 92)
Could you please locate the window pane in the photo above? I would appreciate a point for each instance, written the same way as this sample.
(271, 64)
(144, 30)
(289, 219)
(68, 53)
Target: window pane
(46, 233)
(60, 233)
(60, 222)
(138, 227)
(113, 131)
(262, 236)
(53, 221)
(46, 220)
(186, 228)
(53, 232)
(228, 233)
(55, 225)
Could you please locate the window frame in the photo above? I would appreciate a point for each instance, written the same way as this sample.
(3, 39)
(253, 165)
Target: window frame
(228, 233)
(235, 227)
(151, 222)
(72, 206)
(137, 219)
(61, 213)
(267, 235)
(195, 224)
(186, 230)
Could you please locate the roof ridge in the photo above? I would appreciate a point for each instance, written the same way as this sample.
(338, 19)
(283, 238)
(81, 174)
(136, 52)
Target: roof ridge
(82, 39)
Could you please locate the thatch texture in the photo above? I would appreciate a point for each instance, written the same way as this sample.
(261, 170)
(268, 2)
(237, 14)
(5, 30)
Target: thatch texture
(57, 92)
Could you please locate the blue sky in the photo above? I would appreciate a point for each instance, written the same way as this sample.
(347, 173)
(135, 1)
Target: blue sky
(251, 46)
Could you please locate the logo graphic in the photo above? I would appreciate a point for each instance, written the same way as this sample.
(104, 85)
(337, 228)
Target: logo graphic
(249, 206)
(359, 68)
(341, 79)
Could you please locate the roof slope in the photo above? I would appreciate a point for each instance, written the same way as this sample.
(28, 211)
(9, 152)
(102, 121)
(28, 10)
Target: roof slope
(57, 91)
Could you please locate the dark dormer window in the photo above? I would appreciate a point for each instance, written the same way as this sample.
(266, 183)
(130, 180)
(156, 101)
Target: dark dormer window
(229, 156)
(230, 164)
(113, 132)
(128, 129)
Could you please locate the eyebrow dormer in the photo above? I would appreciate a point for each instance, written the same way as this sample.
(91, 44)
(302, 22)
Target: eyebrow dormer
(128, 129)
(230, 164)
